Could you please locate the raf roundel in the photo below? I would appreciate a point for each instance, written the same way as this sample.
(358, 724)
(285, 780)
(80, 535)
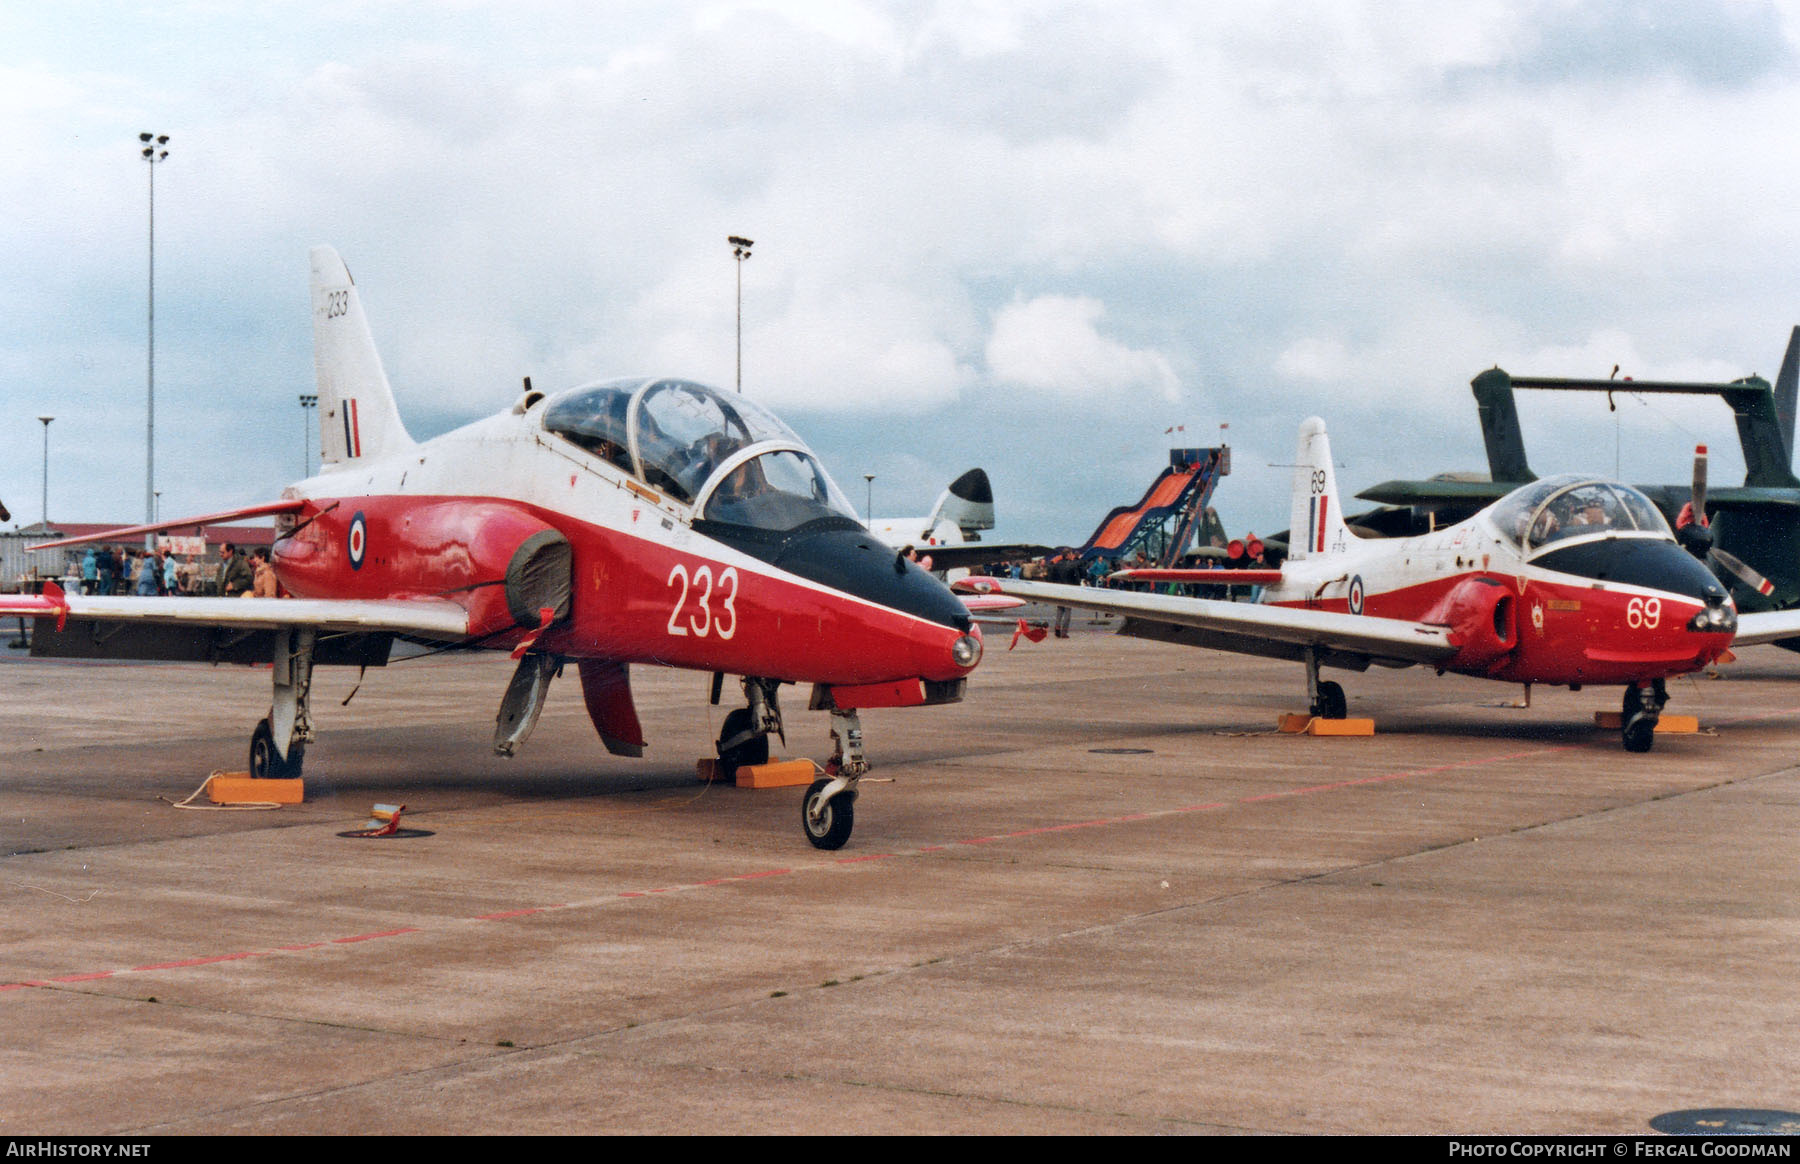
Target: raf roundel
(358, 541)
(1356, 595)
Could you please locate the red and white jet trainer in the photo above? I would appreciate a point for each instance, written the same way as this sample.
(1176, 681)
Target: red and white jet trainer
(1568, 580)
(639, 520)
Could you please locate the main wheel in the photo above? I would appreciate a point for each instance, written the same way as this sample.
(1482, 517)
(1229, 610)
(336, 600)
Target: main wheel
(832, 829)
(739, 746)
(1331, 703)
(1634, 702)
(266, 763)
(1639, 733)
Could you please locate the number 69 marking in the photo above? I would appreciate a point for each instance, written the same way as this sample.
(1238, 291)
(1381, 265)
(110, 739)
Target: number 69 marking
(1643, 613)
(704, 622)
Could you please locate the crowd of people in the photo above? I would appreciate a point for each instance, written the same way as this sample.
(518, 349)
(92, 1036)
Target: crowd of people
(113, 570)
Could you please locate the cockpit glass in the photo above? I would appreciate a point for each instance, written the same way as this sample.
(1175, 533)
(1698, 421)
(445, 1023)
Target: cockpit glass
(685, 430)
(1559, 508)
(777, 491)
(669, 433)
(595, 419)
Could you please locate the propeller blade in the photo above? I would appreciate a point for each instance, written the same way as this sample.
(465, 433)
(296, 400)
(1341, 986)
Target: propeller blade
(1744, 574)
(1699, 501)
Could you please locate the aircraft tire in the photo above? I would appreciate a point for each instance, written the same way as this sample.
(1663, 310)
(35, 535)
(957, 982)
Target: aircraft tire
(1331, 703)
(1639, 733)
(753, 750)
(832, 830)
(266, 763)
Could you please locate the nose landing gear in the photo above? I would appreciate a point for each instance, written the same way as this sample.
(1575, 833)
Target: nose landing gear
(829, 811)
(1643, 706)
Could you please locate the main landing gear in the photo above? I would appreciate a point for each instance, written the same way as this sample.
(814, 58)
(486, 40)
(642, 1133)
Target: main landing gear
(1325, 697)
(744, 740)
(828, 812)
(278, 745)
(1643, 706)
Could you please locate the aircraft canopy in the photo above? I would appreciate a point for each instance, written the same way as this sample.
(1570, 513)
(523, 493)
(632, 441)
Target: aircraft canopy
(1557, 509)
(676, 435)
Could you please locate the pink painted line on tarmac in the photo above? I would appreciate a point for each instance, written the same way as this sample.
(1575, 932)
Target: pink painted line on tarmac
(186, 962)
(381, 934)
(84, 977)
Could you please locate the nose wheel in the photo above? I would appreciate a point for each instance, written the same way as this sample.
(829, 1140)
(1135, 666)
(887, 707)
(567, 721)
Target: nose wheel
(1643, 707)
(828, 819)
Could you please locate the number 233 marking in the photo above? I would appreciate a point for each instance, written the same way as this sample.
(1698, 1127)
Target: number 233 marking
(704, 622)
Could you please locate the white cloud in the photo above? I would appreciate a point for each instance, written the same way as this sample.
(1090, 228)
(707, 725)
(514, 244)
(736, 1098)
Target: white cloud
(1338, 208)
(1053, 344)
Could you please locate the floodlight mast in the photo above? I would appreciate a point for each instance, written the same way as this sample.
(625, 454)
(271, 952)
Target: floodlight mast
(154, 151)
(45, 524)
(740, 250)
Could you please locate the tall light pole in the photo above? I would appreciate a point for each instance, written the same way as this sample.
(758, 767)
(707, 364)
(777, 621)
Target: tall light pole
(308, 402)
(46, 498)
(154, 151)
(740, 250)
(869, 507)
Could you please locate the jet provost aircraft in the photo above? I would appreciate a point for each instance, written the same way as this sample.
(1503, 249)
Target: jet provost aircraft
(1749, 534)
(639, 520)
(1568, 580)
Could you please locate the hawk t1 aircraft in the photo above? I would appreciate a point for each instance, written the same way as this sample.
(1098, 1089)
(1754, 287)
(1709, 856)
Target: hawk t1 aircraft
(1567, 580)
(639, 520)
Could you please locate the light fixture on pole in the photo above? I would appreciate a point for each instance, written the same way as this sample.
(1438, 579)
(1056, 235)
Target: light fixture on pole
(740, 250)
(869, 507)
(45, 523)
(308, 402)
(155, 150)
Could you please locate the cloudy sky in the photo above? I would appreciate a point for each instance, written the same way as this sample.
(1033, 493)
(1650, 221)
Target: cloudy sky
(1029, 236)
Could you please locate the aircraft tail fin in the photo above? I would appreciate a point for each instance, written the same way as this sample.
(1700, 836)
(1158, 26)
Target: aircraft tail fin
(1316, 521)
(968, 503)
(1787, 386)
(357, 415)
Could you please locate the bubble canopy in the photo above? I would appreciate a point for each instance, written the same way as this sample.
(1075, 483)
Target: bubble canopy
(728, 458)
(1567, 507)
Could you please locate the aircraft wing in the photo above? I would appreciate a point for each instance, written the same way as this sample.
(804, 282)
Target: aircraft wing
(1766, 627)
(1470, 494)
(1201, 577)
(225, 629)
(988, 603)
(971, 554)
(266, 509)
(1284, 632)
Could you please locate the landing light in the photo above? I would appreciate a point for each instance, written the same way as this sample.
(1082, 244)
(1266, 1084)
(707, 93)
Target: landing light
(966, 651)
(1718, 617)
